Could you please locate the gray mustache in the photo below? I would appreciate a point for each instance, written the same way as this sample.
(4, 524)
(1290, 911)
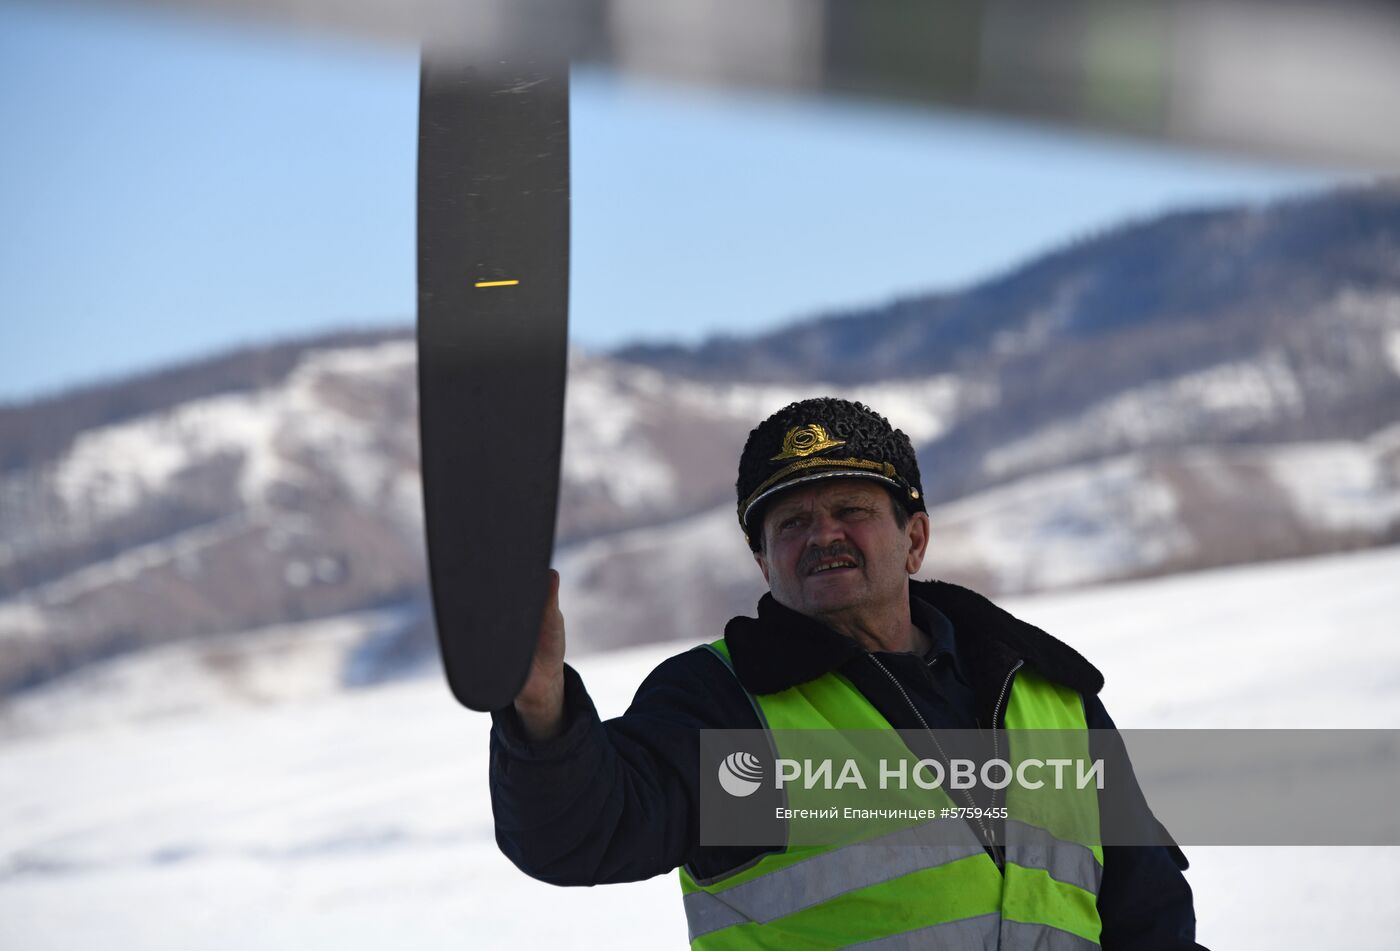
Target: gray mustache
(816, 556)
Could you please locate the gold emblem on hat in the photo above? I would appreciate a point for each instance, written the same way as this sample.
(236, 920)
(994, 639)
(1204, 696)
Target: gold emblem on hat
(805, 440)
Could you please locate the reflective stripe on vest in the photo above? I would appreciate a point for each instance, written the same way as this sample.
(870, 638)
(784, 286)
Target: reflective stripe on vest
(982, 934)
(931, 885)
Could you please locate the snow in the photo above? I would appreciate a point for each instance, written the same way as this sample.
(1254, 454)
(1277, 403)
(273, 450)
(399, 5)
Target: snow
(602, 415)
(1231, 396)
(344, 440)
(1339, 485)
(21, 620)
(284, 663)
(1235, 648)
(360, 819)
(110, 470)
(381, 359)
(1392, 350)
(613, 409)
(693, 558)
(1072, 526)
(924, 409)
(182, 547)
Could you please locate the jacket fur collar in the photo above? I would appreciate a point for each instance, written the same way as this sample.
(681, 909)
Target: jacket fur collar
(781, 648)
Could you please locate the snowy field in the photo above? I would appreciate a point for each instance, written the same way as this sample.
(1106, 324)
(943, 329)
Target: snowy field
(314, 817)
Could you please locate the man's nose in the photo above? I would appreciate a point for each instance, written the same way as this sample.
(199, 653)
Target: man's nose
(826, 529)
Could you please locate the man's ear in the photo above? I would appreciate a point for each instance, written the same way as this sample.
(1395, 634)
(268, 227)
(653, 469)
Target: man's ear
(918, 532)
(762, 563)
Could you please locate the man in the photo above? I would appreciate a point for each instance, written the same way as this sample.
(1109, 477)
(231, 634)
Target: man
(829, 498)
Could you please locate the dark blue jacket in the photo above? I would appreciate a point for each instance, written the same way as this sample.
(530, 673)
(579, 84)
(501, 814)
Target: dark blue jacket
(617, 801)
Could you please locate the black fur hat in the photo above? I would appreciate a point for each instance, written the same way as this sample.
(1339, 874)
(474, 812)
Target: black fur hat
(819, 439)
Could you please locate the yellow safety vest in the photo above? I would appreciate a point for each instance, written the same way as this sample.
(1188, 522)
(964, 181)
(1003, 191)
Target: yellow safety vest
(912, 888)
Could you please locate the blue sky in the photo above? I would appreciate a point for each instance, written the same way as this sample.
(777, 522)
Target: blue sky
(171, 187)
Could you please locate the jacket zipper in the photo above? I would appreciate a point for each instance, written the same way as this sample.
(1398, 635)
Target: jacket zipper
(971, 803)
(996, 726)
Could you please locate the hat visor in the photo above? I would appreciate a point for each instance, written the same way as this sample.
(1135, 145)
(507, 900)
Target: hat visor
(813, 477)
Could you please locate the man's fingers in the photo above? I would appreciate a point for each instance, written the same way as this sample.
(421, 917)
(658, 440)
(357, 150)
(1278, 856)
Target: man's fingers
(552, 614)
(551, 645)
(540, 702)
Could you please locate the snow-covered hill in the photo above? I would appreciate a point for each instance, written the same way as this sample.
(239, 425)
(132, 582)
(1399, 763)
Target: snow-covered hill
(1208, 388)
(300, 815)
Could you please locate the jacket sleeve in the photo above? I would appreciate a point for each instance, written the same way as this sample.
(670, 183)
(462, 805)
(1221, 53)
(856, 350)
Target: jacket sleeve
(1144, 899)
(611, 801)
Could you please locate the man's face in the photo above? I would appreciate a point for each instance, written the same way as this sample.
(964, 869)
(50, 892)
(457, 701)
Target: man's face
(833, 548)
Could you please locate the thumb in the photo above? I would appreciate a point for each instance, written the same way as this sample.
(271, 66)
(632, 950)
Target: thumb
(551, 637)
(551, 598)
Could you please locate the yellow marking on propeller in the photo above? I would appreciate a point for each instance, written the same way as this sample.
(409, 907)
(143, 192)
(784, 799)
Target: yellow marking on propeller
(496, 283)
